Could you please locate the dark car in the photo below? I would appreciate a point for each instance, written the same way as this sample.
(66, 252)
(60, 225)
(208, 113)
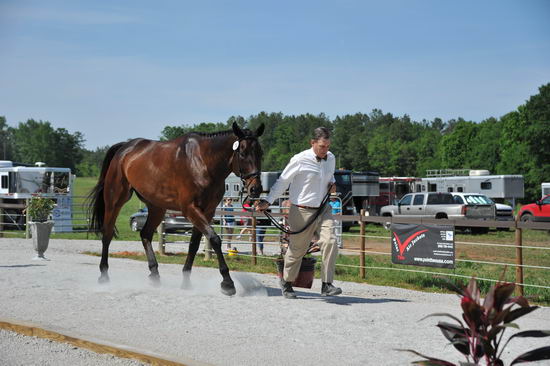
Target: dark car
(172, 222)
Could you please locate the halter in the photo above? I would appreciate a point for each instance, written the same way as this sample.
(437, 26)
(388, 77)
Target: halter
(236, 158)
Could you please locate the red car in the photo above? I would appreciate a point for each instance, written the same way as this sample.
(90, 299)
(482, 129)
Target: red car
(538, 211)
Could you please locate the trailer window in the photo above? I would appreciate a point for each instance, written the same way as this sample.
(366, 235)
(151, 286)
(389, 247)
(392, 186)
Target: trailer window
(486, 185)
(4, 182)
(343, 179)
(432, 187)
(61, 182)
(450, 189)
(459, 189)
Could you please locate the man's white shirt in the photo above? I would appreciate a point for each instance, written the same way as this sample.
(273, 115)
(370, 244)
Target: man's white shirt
(307, 177)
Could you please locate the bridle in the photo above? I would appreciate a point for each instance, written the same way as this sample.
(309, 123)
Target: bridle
(237, 160)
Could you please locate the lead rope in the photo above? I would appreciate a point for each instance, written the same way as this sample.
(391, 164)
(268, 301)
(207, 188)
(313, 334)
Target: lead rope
(281, 227)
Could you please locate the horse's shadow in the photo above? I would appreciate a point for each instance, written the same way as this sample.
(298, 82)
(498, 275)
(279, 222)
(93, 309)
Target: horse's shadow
(337, 300)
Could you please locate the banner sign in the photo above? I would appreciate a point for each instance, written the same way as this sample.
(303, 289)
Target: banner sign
(423, 245)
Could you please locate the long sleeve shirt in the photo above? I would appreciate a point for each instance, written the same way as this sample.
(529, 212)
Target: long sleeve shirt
(308, 179)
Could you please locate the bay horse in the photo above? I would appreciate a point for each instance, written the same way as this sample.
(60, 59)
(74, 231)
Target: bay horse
(186, 174)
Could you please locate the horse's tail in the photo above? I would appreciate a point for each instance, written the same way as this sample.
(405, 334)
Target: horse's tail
(96, 205)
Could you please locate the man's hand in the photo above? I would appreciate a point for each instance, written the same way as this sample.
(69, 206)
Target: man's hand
(261, 205)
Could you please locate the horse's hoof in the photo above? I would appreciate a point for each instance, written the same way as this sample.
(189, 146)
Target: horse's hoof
(228, 289)
(103, 279)
(155, 280)
(186, 284)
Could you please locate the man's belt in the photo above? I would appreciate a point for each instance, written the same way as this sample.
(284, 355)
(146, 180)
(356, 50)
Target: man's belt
(307, 207)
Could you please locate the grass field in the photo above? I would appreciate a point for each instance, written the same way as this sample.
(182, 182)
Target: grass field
(378, 241)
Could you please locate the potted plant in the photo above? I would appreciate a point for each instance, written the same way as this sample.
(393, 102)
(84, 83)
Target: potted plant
(39, 210)
(479, 335)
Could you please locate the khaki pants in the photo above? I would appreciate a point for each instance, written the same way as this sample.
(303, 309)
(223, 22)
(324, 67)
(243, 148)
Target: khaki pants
(299, 243)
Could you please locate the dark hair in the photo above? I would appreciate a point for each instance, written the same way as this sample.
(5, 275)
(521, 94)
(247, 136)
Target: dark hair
(321, 133)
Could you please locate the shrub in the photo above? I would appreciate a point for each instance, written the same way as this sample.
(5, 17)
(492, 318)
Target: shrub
(40, 208)
(480, 336)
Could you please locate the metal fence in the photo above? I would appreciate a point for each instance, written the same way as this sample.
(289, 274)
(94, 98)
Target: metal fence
(514, 254)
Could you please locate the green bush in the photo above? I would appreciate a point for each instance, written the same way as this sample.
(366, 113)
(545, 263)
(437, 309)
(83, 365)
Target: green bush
(40, 208)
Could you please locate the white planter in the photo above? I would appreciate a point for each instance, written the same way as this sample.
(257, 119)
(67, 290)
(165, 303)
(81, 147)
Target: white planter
(40, 232)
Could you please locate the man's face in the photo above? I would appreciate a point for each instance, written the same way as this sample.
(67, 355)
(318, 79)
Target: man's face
(320, 147)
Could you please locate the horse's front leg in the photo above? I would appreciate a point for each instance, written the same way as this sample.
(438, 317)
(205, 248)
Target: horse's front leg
(155, 216)
(201, 222)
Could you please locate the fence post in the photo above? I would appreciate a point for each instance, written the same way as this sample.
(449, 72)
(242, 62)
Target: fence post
(362, 250)
(254, 259)
(519, 259)
(27, 219)
(162, 238)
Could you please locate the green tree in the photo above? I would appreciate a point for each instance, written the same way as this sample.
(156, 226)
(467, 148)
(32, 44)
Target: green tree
(39, 141)
(6, 140)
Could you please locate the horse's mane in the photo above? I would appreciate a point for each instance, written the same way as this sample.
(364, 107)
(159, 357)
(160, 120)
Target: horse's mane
(246, 132)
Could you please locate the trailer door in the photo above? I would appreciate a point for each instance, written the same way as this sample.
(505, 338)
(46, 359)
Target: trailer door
(4, 183)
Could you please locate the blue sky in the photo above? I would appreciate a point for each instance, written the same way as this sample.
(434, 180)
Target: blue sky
(115, 70)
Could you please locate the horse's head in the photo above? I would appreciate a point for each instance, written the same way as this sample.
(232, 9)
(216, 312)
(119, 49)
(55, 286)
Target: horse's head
(247, 158)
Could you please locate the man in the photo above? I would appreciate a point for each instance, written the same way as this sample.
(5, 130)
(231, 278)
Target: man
(310, 175)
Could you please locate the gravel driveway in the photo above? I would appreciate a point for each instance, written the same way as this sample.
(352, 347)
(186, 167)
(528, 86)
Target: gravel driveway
(364, 326)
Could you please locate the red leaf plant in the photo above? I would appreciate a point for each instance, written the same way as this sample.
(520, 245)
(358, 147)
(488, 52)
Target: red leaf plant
(479, 337)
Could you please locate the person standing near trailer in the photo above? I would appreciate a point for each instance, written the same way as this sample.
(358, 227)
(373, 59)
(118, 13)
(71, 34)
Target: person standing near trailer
(310, 175)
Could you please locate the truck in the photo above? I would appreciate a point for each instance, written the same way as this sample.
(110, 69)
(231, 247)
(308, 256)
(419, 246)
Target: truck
(440, 205)
(538, 211)
(19, 182)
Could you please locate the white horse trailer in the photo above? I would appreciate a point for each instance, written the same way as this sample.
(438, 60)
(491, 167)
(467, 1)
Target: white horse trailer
(497, 187)
(545, 189)
(233, 184)
(19, 183)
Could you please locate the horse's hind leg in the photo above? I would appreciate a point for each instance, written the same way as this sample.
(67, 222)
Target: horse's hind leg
(194, 244)
(111, 213)
(154, 218)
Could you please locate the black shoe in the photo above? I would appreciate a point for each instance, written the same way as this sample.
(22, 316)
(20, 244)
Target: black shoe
(328, 289)
(288, 291)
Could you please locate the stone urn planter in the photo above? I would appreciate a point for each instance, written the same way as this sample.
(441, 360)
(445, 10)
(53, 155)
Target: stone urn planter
(40, 209)
(40, 232)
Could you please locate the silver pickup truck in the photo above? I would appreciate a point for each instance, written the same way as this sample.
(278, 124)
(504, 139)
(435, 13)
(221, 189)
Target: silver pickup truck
(440, 206)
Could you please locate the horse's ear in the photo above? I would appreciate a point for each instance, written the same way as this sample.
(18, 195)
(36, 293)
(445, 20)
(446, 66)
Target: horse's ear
(237, 130)
(260, 130)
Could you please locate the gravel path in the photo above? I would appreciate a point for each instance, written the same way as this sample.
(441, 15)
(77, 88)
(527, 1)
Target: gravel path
(20, 350)
(364, 326)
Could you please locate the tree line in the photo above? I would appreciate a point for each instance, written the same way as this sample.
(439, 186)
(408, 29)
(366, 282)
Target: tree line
(516, 143)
